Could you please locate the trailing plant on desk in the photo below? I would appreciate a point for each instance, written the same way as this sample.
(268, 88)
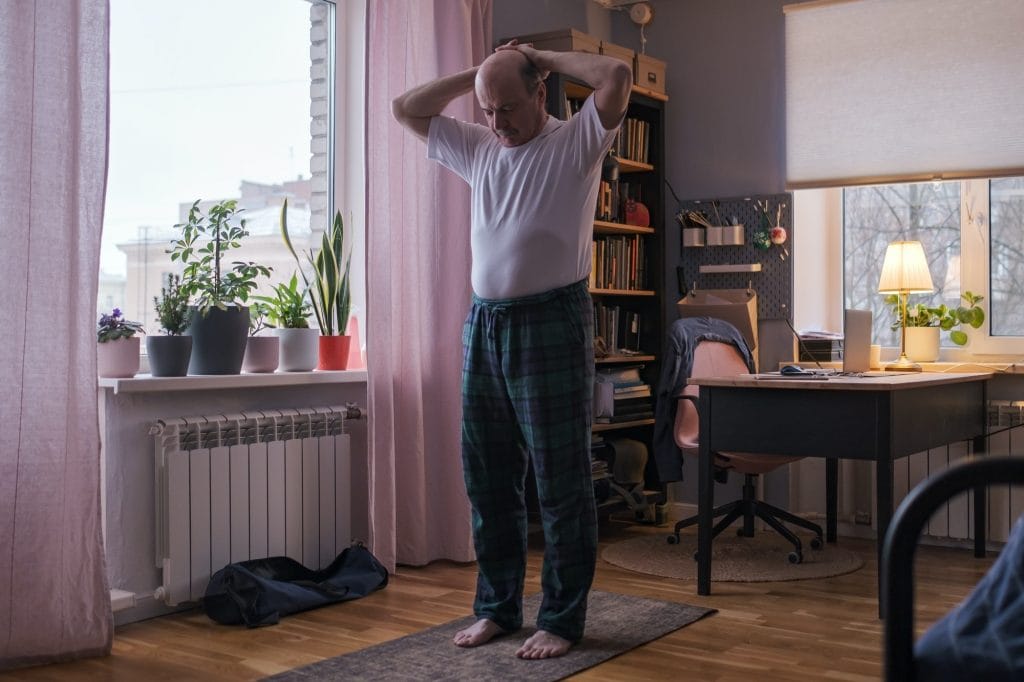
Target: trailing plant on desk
(328, 282)
(947, 319)
(201, 248)
(113, 327)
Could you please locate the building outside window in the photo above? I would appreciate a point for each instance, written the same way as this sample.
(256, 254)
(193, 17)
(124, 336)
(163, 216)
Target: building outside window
(214, 100)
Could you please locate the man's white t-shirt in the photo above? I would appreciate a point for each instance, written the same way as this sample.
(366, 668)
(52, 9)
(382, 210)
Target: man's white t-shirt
(532, 205)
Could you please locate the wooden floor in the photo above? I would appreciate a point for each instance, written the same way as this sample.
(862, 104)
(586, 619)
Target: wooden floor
(808, 630)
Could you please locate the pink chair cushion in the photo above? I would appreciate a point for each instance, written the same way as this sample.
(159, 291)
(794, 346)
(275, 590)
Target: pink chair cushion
(711, 359)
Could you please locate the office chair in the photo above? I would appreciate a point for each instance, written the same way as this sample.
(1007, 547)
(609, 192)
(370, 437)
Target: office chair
(719, 358)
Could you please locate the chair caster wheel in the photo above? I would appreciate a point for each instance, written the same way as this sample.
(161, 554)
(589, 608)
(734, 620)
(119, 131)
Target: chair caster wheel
(816, 543)
(795, 558)
(672, 539)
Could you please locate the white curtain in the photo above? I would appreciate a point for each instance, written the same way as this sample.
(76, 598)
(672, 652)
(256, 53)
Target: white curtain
(418, 286)
(54, 599)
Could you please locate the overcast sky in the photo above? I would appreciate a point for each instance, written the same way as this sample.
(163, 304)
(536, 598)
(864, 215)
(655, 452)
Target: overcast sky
(204, 94)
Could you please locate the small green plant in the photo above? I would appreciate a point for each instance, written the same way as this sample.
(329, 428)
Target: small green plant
(948, 319)
(204, 241)
(288, 307)
(258, 313)
(113, 326)
(329, 288)
(172, 307)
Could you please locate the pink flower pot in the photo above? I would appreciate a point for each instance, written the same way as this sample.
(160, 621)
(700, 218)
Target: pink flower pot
(118, 359)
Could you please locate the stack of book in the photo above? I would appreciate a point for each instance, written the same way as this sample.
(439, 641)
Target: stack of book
(621, 395)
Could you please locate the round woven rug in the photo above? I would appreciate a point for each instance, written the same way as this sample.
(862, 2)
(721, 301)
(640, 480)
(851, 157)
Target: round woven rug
(761, 558)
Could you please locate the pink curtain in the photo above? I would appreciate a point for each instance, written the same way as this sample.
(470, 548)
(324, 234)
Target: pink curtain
(418, 286)
(54, 599)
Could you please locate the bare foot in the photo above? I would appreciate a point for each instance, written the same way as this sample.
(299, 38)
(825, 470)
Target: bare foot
(478, 633)
(543, 644)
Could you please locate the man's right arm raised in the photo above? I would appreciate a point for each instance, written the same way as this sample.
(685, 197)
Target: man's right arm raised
(415, 108)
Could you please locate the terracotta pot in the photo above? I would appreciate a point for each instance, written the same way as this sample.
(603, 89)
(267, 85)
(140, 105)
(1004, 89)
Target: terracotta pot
(261, 354)
(118, 359)
(334, 352)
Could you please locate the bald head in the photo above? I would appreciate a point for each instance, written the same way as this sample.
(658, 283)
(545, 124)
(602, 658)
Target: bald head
(511, 93)
(505, 65)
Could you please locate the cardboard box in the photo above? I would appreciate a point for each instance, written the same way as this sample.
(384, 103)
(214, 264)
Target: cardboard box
(617, 51)
(649, 73)
(563, 40)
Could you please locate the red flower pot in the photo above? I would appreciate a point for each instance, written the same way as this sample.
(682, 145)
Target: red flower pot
(333, 353)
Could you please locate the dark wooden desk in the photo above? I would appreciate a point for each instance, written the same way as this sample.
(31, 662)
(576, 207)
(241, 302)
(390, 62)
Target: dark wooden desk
(879, 419)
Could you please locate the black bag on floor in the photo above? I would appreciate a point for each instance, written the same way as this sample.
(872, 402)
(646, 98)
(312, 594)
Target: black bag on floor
(260, 591)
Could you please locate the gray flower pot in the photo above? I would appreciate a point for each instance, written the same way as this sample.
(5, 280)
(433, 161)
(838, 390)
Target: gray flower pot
(168, 355)
(218, 341)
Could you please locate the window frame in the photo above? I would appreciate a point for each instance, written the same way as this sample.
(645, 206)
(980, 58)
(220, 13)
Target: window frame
(822, 260)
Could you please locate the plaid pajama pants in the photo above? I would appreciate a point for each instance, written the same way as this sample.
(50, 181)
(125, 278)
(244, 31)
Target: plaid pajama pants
(527, 391)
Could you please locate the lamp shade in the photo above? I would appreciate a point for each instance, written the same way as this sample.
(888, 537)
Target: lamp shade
(905, 270)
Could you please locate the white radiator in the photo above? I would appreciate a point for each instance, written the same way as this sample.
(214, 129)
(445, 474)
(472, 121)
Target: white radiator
(249, 486)
(955, 519)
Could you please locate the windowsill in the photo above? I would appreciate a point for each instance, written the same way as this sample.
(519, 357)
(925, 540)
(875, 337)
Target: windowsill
(144, 383)
(1006, 367)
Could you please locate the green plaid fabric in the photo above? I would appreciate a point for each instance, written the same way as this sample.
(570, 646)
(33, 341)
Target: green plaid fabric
(527, 391)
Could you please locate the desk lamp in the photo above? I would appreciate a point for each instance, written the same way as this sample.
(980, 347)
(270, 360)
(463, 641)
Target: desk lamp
(905, 271)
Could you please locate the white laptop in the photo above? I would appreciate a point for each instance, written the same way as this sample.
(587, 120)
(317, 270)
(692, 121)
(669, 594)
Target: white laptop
(857, 345)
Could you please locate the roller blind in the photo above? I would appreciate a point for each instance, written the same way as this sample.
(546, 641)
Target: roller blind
(903, 90)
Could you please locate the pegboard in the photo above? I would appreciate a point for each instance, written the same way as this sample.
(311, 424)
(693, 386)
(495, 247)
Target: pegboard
(774, 283)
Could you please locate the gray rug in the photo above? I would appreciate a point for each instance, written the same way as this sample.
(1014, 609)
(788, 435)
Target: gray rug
(762, 558)
(615, 623)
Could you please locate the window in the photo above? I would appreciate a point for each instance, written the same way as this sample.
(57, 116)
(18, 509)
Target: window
(973, 234)
(1006, 289)
(212, 101)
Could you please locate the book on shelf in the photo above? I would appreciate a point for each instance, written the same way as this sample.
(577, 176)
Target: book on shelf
(621, 374)
(618, 419)
(631, 391)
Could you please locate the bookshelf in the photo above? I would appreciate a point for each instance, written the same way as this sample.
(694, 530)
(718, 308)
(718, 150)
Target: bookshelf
(629, 301)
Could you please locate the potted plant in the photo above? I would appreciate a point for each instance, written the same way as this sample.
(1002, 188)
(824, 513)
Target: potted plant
(220, 320)
(169, 354)
(329, 289)
(288, 313)
(924, 323)
(117, 350)
(260, 351)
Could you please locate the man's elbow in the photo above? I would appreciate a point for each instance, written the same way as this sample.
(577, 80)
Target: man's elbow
(398, 109)
(622, 76)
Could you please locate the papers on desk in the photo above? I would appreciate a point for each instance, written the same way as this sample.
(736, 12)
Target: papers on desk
(819, 375)
(809, 376)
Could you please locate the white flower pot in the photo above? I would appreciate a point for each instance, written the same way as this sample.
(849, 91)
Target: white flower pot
(260, 354)
(923, 344)
(118, 359)
(299, 349)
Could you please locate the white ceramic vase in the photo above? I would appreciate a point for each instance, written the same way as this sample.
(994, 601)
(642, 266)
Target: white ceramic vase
(923, 344)
(299, 348)
(118, 359)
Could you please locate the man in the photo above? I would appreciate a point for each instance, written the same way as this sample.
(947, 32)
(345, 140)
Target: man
(528, 340)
